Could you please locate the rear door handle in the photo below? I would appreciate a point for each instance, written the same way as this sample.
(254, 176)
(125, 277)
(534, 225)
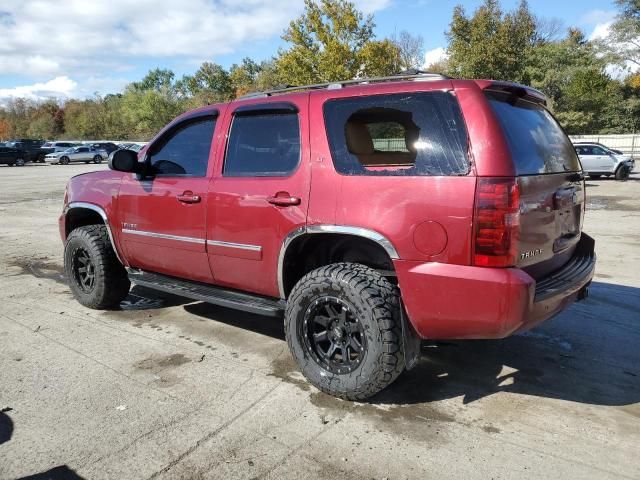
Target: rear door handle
(188, 197)
(284, 199)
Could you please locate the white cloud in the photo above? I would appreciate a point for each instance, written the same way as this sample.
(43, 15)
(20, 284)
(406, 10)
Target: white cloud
(370, 6)
(601, 30)
(44, 38)
(435, 56)
(58, 87)
(593, 17)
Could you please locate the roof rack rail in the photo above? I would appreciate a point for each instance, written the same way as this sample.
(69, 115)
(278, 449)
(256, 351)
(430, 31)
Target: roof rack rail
(408, 75)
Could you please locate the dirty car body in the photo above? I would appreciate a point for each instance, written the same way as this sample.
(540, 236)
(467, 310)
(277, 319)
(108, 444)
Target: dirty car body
(459, 202)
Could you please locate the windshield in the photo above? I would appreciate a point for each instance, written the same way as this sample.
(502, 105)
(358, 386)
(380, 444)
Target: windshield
(70, 150)
(537, 142)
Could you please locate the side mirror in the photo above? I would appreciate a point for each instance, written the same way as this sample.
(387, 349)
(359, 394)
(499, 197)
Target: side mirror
(124, 161)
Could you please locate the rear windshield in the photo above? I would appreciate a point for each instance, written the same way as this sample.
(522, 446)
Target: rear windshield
(399, 134)
(537, 142)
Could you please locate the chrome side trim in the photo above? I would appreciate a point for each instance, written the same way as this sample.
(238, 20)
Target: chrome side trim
(164, 236)
(105, 219)
(380, 239)
(241, 246)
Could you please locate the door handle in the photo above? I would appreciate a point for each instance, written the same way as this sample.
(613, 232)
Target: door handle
(283, 199)
(188, 197)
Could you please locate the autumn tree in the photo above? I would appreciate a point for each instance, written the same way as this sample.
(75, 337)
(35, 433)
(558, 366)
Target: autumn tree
(331, 41)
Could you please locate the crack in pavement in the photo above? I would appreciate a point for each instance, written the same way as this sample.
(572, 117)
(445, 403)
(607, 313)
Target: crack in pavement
(212, 434)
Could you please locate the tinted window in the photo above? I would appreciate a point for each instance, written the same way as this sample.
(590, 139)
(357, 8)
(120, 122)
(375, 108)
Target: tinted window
(185, 149)
(537, 142)
(83, 149)
(405, 134)
(599, 151)
(263, 145)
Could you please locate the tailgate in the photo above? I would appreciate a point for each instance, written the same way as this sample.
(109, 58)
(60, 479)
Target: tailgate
(550, 182)
(551, 215)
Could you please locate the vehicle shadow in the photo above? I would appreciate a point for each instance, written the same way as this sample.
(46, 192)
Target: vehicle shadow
(143, 298)
(61, 472)
(587, 354)
(6, 428)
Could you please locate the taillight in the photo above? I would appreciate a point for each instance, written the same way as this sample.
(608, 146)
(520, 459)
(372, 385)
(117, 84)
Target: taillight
(496, 222)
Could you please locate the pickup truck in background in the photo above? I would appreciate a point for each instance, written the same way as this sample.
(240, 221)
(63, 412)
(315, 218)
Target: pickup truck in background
(29, 150)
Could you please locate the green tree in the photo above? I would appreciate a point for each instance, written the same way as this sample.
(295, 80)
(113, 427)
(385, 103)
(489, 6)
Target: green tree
(331, 41)
(491, 44)
(623, 43)
(209, 84)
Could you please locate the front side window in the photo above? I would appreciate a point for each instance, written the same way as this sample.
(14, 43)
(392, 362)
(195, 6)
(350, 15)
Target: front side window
(263, 144)
(184, 150)
(83, 150)
(401, 134)
(599, 151)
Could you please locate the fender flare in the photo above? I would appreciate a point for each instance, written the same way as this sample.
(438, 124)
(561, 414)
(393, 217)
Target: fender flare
(100, 211)
(377, 237)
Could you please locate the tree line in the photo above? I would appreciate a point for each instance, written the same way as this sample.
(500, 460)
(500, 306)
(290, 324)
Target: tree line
(589, 83)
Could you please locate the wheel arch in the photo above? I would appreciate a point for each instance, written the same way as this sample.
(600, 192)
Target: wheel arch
(80, 214)
(320, 245)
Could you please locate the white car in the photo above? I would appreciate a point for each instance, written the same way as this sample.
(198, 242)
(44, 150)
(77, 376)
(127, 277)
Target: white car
(77, 154)
(598, 160)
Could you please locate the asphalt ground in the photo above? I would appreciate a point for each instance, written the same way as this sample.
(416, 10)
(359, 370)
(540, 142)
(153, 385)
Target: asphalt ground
(170, 388)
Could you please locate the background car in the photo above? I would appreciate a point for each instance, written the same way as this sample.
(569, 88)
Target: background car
(598, 160)
(58, 146)
(84, 154)
(106, 146)
(10, 156)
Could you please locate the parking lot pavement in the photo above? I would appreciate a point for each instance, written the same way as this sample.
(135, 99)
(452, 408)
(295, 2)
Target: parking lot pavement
(170, 388)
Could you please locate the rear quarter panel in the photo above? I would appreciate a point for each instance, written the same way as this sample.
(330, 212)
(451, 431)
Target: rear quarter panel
(425, 217)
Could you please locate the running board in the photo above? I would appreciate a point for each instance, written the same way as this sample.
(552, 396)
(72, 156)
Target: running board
(208, 293)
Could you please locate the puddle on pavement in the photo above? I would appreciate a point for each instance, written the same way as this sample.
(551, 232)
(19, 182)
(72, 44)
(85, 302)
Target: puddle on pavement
(160, 362)
(39, 268)
(161, 367)
(611, 203)
(400, 418)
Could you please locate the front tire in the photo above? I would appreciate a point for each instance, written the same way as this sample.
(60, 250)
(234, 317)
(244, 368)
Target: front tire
(96, 278)
(64, 161)
(622, 173)
(342, 324)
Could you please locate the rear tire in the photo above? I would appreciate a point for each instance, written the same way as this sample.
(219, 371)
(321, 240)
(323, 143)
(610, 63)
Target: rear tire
(97, 159)
(359, 352)
(622, 173)
(20, 162)
(95, 275)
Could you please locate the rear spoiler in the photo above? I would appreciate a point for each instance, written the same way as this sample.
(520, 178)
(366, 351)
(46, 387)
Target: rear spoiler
(516, 89)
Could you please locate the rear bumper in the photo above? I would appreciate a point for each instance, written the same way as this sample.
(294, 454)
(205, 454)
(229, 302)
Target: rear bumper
(457, 301)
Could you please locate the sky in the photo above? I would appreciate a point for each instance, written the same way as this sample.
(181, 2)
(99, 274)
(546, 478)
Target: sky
(76, 48)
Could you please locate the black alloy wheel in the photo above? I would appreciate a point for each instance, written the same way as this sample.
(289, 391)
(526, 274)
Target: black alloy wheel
(84, 270)
(333, 335)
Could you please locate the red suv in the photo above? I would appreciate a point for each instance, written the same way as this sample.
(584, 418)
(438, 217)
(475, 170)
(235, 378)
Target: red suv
(370, 213)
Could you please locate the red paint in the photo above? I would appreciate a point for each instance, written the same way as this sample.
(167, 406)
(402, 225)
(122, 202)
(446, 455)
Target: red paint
(428, 220)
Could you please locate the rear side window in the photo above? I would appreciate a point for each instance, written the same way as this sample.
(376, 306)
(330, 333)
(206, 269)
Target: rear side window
(400, 134)
(537, 143)
(266, 145)
(184, 151)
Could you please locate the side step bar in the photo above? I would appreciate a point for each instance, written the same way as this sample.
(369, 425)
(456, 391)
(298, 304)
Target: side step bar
(208, 293)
